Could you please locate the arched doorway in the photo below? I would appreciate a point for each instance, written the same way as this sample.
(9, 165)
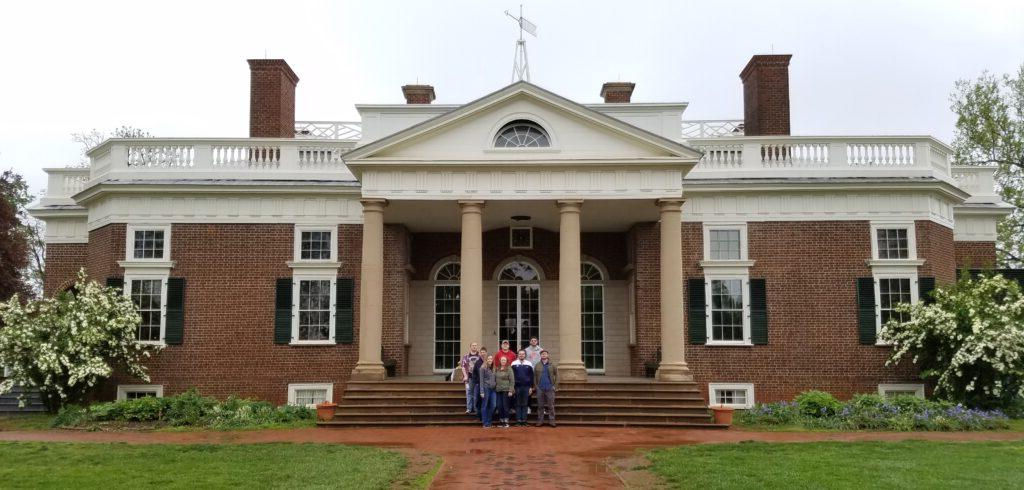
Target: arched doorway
(518, 303)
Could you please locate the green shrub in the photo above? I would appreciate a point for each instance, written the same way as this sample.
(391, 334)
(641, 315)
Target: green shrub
(105, 411)
(70, 416)
(817, 404)
(188, 408)
(145, 409)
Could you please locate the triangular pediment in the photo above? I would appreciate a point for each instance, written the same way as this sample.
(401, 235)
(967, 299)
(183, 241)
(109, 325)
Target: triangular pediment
(577, 134)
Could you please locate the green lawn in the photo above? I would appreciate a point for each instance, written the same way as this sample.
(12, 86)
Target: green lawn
(63, 465)
(910, 464)
(28, 421)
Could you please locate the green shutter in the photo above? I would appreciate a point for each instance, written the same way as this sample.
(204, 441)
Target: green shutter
(698, 311)
(866, 325)
(175, 321)
(116, 283)
(925, 287)
(758, 312)
(283, 312)
(344, 306)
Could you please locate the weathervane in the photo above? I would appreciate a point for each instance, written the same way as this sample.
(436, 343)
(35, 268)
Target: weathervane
(521, 64)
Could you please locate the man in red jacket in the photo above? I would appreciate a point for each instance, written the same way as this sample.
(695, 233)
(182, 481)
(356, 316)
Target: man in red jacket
(504, 352)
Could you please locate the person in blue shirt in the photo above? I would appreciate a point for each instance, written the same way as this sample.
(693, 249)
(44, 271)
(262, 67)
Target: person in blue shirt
(545, 382)
(523, 371)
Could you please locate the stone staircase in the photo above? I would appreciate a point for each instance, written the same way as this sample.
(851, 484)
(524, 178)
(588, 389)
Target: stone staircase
(599, 403)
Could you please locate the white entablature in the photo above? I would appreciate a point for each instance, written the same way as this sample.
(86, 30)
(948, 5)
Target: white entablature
(587, 154)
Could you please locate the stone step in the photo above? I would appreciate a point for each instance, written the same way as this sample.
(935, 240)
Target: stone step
(564, 392)
(603, 408)
(403, 400)
(629, 400)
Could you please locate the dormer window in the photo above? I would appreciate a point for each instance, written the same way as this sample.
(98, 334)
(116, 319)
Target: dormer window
(522, 134)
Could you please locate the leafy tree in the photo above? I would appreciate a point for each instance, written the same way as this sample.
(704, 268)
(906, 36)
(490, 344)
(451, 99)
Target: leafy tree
(15, 235)
(65, 345)
(990, 131)
(970, 340)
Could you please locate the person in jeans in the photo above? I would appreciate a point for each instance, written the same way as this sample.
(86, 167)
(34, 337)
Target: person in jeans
(467, 364)
(505, 382)
(545, 382)
(476, 380)
(488, 397)
(533, 351)
(523, 371)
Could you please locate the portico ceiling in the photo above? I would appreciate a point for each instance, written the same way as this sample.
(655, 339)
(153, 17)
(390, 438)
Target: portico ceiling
(599, 215)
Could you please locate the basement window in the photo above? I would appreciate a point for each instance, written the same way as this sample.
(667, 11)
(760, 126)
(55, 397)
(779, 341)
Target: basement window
(891, 390)
(732, 395)
(132, 392)
(310, 394)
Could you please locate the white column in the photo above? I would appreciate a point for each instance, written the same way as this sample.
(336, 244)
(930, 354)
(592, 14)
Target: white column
(471, 302)
(570, 365)
(673, 362)
(371, 293)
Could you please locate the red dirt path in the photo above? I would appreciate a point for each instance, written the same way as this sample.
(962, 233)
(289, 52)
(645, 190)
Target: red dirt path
(566, 457)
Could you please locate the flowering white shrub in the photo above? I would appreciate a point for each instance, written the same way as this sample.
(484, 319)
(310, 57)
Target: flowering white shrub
(65, 345)
(970, 340)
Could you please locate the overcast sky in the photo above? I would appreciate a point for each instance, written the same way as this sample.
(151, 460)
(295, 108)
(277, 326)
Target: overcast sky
(859, 67)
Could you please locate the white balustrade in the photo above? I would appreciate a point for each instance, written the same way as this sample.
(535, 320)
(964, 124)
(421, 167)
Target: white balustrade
(154, 155)
(978, 180)
(255, 157)
(711, 128)
(820, 156)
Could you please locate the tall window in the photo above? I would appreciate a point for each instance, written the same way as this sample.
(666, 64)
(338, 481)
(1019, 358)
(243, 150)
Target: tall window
(447, 316)
(592, 308)
(147, 294)
(891, 292)
(314, 318)
(522, 134)
(726, 312)
(893, 243)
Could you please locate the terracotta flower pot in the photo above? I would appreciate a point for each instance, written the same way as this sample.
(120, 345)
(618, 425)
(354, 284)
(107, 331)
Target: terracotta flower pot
(723, 415)
(325, 411)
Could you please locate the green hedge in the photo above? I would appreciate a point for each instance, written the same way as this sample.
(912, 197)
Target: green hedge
(820, 410)
(189, 409)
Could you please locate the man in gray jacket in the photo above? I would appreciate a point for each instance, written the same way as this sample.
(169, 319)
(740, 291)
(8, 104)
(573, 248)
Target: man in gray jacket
(545, 382)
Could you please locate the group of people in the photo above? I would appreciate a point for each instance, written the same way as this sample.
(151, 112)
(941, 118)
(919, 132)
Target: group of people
(497, 383)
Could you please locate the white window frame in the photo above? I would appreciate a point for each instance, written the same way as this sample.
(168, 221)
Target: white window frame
(433, 290)
(741, 227)
(878, 298)
(745, 278)
(297, 252)
(903, 225)
(129, 249)
(511, 232)
(296, 280)
(123, 390)
(917, 388)
(294, 387)
(714, 387)
(604, 314)
(128, 278)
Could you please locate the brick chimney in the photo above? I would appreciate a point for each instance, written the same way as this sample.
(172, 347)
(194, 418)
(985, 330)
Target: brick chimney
(418, 94)
(617, 92)
(271, 99)
(766, 95)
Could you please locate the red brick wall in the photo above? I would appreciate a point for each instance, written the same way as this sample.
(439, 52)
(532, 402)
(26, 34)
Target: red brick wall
(271, 99)
(975, 255)
(810, 270)
(230, 272)
(766, 95)
(106, 248)
(396, 289)
(935, 246)
(63, 260)
(607, 248)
